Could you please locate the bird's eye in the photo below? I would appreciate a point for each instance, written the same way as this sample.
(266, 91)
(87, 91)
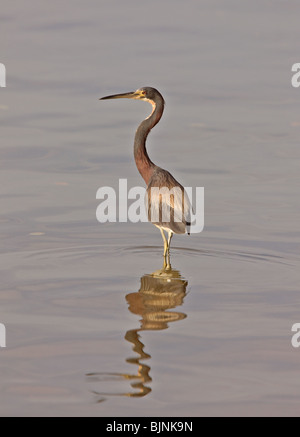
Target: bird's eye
(143, 93)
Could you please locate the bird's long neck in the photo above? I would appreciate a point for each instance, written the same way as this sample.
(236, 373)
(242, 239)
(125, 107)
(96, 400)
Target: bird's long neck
(144, 164)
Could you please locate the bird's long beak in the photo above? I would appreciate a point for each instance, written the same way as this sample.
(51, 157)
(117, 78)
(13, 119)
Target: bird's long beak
(130, 95)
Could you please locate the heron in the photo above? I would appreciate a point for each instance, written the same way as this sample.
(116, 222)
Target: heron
(168, 205)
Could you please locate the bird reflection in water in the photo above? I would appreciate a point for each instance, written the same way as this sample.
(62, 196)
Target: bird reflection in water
(160, 292)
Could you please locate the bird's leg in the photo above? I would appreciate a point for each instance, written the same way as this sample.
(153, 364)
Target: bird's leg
(169, 240)
(167, 265)
(165, 241)
(167, 254)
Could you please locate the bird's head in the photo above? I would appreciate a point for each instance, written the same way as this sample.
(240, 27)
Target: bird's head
(146, 93)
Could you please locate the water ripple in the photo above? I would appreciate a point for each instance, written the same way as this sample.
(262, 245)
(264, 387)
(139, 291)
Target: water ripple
(228, 254)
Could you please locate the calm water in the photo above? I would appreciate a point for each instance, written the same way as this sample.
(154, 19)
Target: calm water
(94, 325)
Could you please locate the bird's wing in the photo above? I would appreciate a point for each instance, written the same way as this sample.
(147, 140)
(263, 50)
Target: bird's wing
(167, 203)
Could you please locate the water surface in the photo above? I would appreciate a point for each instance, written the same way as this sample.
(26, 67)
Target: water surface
(95, 325)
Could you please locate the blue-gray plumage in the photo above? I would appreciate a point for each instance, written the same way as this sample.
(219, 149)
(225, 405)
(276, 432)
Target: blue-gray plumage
(168, 205)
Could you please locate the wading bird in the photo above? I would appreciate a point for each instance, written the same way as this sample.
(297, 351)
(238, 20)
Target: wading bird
(167, 202)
